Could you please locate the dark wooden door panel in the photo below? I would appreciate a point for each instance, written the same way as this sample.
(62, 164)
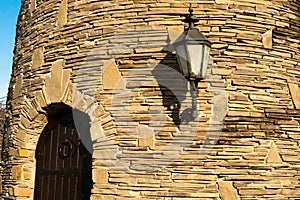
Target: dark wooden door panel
(64, 166)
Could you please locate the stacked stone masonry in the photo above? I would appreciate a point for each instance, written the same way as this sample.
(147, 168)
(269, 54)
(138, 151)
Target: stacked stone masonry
(114, 60)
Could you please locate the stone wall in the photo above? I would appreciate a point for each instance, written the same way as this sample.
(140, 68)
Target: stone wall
(2, 119)
(114, 60)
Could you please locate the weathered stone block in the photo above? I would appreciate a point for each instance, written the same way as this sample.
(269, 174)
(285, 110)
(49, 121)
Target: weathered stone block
(227, 191)
(40, 99)
(102, 197)
(27, 176)
(295, 93)
(112, 78)
(17, 172)
(96, 131)
(106, 154)
(56, 81)
(100, 176)
(25, 122)
(174, 32)
(268, 39)
(32, 5)
(23, 153)
(23, 192)
(18, 86)
(37, 57)
(146, 136)
(62, 14)
(273, 156)
(65, 82)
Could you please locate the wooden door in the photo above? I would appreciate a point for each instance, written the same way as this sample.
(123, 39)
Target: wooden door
(64, 166)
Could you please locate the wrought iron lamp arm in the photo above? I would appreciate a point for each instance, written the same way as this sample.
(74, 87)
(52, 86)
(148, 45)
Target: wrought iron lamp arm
(194, 94)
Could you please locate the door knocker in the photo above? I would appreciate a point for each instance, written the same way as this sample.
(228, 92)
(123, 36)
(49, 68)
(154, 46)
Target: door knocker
(65, 149)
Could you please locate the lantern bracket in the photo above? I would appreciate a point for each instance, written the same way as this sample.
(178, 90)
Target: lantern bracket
(192, 49)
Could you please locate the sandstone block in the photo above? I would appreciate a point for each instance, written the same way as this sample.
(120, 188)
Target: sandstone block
(174, 32)
(22, 192)
(40, 99)
(27, 176)
(25, 121)
(295, 93)
(273, 156)
(268, 39)
(100, 176)
(37, 57)
(146, 136)
(220, 108)
(102, 197)
(56, 81)
(18, 86)
(17, 172)
(23, 153)
(32, 5)
(106, 154)
(112, 78)
(227, 191)
(62, 14)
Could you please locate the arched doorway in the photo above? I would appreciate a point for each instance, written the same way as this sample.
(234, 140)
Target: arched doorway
(63, 163)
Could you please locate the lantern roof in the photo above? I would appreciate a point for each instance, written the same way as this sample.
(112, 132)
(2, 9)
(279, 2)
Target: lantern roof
(193, 35)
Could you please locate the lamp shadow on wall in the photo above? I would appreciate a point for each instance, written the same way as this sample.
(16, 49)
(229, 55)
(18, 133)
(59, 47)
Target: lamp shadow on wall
(173, 86)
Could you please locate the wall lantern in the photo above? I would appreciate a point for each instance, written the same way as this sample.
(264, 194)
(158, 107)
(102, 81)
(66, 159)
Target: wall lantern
(192, 49)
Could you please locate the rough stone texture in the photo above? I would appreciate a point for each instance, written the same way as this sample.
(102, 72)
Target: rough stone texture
(146, 136)
(32, 6)
(57, 81)
(23, 192)
(62, 14)
(273, 156)
(100, 176)
(37, 57)
(249, 98)
(112, 78)
(268, 39)
(295, 93)
(227, 191)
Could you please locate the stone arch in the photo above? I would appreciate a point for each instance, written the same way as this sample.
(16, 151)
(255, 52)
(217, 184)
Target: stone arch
(39, 109)
(56, 94)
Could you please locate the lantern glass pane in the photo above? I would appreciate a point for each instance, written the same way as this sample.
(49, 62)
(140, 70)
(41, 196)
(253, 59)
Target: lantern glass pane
(182, 59)
(205, 60)
(195, 53)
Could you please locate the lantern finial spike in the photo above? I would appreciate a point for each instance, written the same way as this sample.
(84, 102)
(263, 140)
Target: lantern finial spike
(190, 18)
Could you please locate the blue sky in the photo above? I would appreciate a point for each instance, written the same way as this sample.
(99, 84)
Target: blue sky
(9, 10)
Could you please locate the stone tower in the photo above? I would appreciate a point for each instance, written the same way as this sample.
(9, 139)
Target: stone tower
(99, 80)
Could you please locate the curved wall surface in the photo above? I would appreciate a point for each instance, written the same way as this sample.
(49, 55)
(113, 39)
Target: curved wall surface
(114, 61)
